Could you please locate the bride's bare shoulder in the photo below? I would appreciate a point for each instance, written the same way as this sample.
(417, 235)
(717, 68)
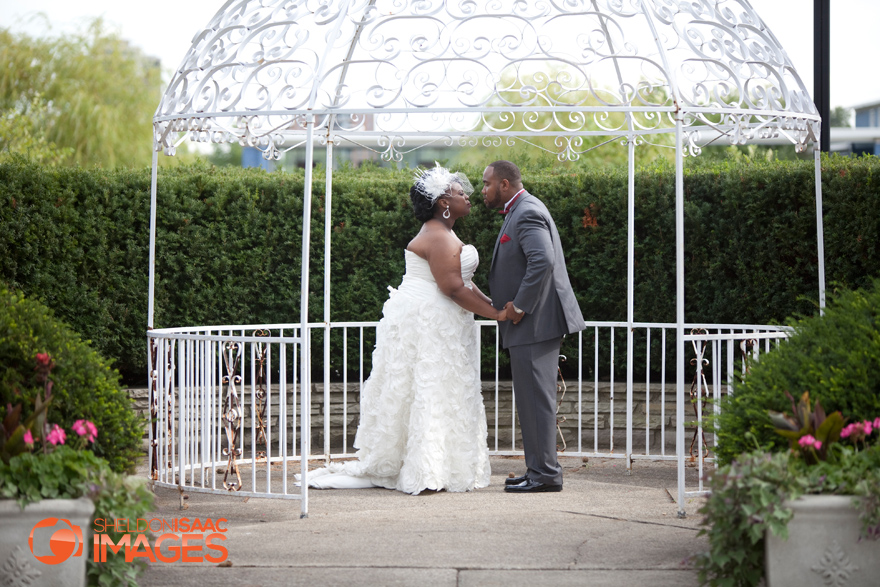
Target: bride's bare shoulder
(431, 238)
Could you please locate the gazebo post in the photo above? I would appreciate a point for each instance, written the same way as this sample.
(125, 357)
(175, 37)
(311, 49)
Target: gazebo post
(630, 294)
(820, 229)
(328, 201)
(153, 401)
(305, 384)
(152, 269)
(679, 311)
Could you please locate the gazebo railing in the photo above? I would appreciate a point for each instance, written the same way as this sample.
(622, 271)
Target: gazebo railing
(227, 408)
(719, 358)
(213, 427)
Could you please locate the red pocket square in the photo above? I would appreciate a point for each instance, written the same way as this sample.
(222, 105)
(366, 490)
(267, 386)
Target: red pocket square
(504, 238)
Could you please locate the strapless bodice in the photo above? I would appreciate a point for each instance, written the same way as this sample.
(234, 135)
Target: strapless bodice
(416, 267)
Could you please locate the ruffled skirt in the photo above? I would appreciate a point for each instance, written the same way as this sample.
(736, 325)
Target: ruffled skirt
(422, 420)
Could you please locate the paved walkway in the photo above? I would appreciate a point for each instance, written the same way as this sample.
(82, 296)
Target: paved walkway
(604, 528)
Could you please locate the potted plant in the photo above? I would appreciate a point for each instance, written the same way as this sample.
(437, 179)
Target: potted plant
(802, 516)
(835, 520)
(57, 472)
(49, 490)
(777, 470)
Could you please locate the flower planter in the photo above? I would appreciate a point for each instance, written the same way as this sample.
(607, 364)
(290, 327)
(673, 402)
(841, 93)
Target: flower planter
(19, 564)
(823, 546)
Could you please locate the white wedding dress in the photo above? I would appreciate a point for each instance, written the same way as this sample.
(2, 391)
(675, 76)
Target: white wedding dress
(422, 421)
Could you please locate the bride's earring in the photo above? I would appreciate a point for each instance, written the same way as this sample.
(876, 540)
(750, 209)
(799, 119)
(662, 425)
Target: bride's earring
(446, 213)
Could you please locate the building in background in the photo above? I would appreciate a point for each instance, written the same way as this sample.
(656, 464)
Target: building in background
(867, 117)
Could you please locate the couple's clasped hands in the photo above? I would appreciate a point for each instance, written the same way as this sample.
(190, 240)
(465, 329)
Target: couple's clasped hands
(509, 313)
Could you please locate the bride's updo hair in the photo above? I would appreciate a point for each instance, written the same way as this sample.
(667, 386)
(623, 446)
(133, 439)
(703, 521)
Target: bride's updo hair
(430, 185)
(423, 207)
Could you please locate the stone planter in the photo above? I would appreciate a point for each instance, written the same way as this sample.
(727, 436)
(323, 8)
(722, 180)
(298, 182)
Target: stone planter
(20, 565)
(823, 546)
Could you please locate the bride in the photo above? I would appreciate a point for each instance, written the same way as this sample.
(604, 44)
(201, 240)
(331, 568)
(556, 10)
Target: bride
(422, 422)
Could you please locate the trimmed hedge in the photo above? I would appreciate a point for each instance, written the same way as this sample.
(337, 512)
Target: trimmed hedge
(229, 242)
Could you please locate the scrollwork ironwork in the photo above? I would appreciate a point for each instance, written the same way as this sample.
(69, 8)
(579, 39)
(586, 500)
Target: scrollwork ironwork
(561, 388)
(232, 414)
(407, 67)
(261, 353)
(156, 393)
(154, 409)
(699, 392)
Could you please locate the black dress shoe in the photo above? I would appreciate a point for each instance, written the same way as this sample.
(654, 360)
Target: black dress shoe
(516, 480)
(529, 486)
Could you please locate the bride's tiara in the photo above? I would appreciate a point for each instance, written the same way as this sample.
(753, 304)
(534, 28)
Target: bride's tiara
(435, 182)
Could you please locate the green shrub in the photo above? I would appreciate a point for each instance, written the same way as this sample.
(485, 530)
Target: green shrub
(835, 357)
(84, 385)
(66, 473)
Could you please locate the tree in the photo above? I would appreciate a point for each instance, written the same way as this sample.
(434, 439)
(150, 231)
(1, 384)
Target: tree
(88, 98)
(23, 132)
(228, 154)
(840, 117)
(556, 85)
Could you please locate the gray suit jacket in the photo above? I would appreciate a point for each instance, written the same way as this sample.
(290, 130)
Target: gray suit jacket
(528, 267)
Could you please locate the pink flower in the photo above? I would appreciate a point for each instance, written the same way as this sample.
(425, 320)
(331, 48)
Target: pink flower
(56, 435)
(808, 440)
(877, 423)
(28, 438)
(86, 428)
(43, 359)
(857, 430)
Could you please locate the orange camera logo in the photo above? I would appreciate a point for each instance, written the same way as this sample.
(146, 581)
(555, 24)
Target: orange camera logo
(64, 543)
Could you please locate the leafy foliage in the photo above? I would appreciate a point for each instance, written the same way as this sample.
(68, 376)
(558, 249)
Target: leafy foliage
(23, 134)
(14, 431)
(747, 501)
(84, 386)
(808, 430)
(70, 474)
(835, 357)
(94, 93)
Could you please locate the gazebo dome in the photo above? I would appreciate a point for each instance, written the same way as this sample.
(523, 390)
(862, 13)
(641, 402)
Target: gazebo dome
(481, 70)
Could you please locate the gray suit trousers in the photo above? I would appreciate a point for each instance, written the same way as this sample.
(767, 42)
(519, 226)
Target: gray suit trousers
(534, 369)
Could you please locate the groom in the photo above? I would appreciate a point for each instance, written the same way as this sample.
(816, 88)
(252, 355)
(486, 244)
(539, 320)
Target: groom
(528, 269)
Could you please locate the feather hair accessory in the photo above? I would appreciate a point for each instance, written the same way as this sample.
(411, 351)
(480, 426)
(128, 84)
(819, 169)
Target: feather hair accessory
(435, 182)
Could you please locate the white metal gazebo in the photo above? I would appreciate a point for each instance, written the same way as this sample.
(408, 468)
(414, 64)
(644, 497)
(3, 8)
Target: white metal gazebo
(562, 75)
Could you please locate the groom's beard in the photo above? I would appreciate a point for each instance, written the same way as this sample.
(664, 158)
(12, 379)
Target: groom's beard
(493, 201)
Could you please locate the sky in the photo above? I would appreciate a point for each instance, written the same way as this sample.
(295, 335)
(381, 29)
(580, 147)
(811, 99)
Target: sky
(165, 28)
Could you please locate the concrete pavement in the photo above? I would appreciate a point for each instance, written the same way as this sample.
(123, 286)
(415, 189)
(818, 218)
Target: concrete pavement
(604, 528)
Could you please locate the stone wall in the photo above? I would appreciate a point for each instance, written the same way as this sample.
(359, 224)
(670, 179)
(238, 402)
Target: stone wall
(653, 417)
